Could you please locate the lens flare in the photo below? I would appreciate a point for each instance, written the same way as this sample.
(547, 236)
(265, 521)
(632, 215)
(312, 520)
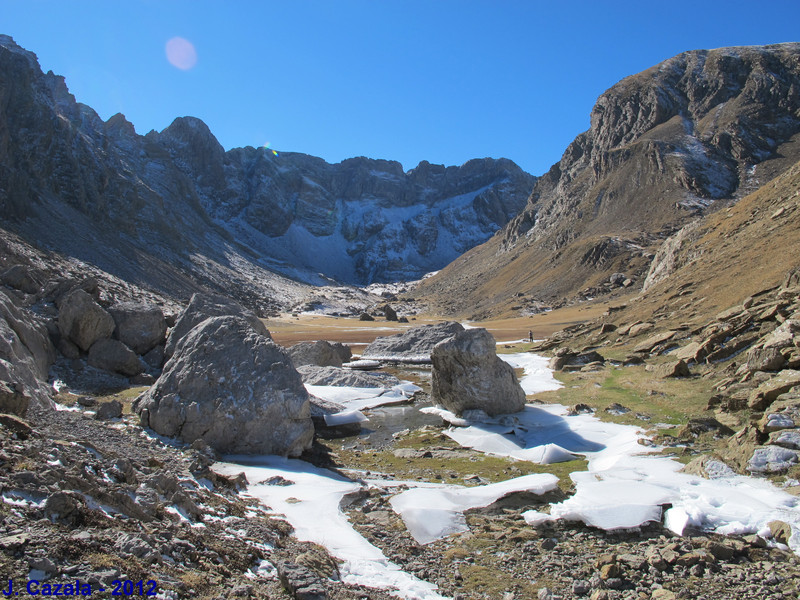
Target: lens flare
(181, 53)
(266, 147)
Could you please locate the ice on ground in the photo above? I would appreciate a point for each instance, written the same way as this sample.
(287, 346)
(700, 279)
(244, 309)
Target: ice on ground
(432, 513)
(540, 434)
(537, 376)
(357, 398)
(344, 417)
(311, 505)
(623, 487)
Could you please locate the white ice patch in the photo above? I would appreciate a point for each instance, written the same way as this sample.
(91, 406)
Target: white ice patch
(356, 398)
(777, 421)
(538, 376)
(432, 513)
(623, 487)
(345, 417)
(311, 505)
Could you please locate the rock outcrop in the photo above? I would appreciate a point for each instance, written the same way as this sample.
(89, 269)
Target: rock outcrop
(230, 386)
(414, 345)
(26, 354)
(468, 375)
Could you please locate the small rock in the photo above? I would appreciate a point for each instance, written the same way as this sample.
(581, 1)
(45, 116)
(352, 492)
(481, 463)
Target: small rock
(781, 531)
(581, 587)
(109, 410)
(548, 544)
(672, 369)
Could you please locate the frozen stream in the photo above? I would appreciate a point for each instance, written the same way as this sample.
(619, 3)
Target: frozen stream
(624, 486)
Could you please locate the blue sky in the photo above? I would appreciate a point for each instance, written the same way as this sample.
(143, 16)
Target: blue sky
(436, 80)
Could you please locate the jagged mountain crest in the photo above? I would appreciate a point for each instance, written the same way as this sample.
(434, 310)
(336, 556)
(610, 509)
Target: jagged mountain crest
(178, 195)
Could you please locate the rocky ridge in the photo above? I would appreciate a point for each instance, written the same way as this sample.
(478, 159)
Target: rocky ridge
(665, 146)
(173, 211)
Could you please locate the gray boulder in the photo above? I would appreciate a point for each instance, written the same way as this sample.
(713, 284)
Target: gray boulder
(109, 410)
(26, 354)
(343, 350)
(203, 306)
(22, 278)
(319, 353)
(140, 327)
(232, 387)
(468, 374)
(339, 377)
(114, 356)
(414, 345)
(83, 321)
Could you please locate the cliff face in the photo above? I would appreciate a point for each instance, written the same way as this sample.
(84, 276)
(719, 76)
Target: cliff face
(177, 200)
(665, 146)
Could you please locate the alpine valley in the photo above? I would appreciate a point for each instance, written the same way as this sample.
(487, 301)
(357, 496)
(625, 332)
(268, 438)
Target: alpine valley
(230, 374)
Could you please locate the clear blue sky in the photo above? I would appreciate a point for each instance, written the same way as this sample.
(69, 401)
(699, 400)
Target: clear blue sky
(439, 80)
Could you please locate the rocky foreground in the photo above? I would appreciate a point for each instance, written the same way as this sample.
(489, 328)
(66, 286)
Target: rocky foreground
(99, 500)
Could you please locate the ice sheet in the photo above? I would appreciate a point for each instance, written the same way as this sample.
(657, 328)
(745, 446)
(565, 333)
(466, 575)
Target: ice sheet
(623, 486)
(357, 398)
(538, 377)
(432, 513)
(311, 505)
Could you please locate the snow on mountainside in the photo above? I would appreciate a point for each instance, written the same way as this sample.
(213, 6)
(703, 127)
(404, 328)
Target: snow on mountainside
(359, 221)
(174, 211)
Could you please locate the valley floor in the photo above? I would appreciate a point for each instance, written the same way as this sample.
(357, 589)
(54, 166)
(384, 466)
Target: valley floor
(208, 533)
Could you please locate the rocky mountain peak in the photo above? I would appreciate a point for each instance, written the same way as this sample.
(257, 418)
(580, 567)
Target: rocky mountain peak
(664, 146)
(175, 210)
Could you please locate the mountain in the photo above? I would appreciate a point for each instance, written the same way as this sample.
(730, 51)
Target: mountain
(358, 221)
(175, 212)
(665, 146)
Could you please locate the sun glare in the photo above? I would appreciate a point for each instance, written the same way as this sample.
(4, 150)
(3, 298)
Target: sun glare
(181, 53)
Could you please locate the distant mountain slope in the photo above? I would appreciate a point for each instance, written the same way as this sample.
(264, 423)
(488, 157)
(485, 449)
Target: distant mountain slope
(173, 210)
(358, 221)
(664, 147)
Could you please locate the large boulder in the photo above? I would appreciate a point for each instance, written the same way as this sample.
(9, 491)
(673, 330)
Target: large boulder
(468, 374)
(26, 354)
(83, 321)
(140, 327)
(339, 377)
(203, 306)
(232, 387)
(114, 356)
(414, 345)
(319, 353)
